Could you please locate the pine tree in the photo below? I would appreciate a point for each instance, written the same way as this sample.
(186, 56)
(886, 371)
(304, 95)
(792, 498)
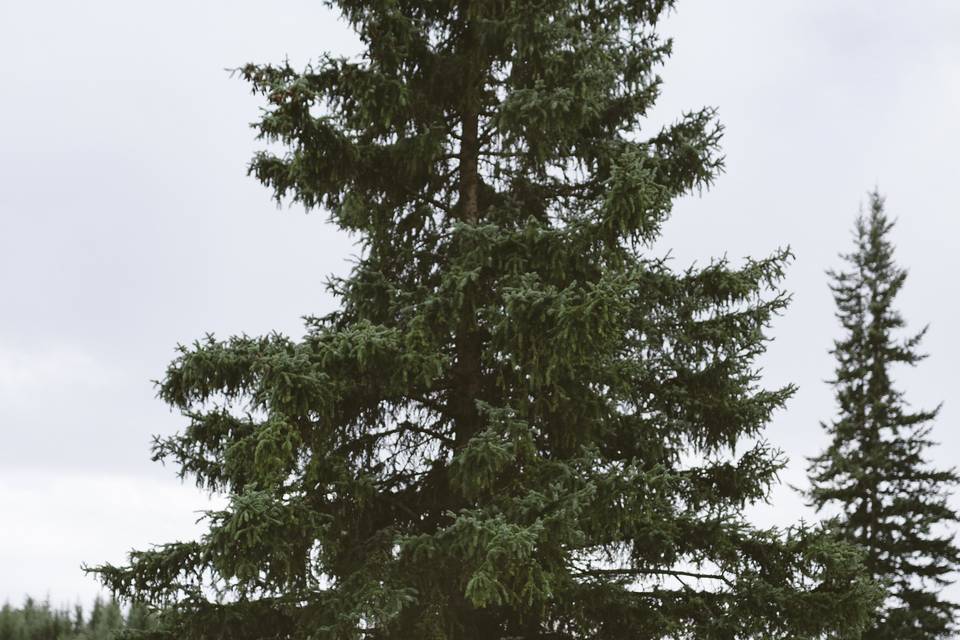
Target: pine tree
(875, 470)
(520, 423)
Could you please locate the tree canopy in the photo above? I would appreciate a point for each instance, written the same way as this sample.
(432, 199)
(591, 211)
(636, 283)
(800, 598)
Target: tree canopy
(520, 423)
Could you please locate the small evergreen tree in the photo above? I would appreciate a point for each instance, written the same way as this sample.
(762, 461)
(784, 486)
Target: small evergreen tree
(875, 470)
(519, 424)
(9, 623)
(97, 617)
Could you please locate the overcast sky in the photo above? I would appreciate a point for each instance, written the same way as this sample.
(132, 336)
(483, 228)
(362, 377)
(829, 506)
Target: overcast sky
(128, 225)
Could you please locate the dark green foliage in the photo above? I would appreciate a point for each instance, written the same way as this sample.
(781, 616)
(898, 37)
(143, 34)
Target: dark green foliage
(893, 505)
(519, 423)
(41, 622)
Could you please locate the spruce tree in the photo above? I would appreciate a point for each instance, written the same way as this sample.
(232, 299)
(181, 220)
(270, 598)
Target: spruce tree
(876, 471)
(520, 422)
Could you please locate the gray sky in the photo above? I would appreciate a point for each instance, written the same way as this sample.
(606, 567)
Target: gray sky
(127, 225)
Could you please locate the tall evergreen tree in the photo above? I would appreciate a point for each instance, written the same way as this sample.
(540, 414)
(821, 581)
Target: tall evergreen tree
(876, 470)
(519, 423)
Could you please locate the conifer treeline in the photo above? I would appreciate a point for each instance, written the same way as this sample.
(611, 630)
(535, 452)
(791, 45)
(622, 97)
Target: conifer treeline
(41, 621)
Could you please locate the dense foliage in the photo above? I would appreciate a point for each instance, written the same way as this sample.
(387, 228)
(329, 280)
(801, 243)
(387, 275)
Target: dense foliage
(876, 470)
(39, 621)
(520, 422)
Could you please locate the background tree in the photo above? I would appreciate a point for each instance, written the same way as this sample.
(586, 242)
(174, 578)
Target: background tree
(519, 423)
(35, 621)
(892, 503)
